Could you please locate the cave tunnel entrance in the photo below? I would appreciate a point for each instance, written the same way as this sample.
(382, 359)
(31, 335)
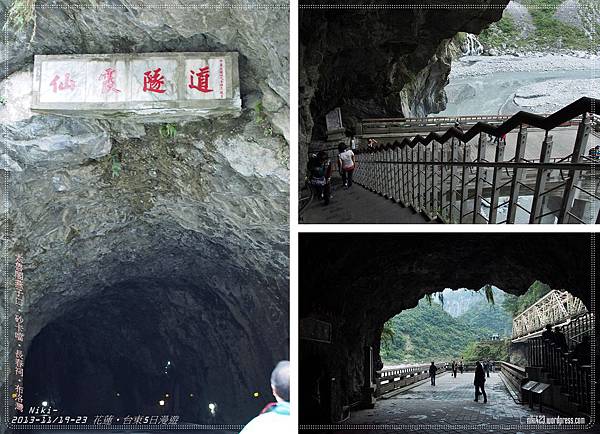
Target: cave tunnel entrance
(351, 284)
(155, 347)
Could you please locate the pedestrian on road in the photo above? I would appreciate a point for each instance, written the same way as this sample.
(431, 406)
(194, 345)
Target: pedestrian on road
(486, 368)
(479, 383)
(454, 368)
(346, 164)
(432, 370)
(461, 367)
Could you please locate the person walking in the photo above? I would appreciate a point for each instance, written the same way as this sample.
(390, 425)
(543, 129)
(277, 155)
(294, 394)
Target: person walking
(461, 367)
(346, 164)
(454, 368)
(432, 370)
(486, 368)
(479, 383)
(560, 339)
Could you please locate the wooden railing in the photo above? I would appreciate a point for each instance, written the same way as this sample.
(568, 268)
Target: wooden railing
(437, 176)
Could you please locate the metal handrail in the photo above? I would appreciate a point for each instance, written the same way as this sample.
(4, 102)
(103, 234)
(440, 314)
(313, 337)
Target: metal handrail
(430, 173)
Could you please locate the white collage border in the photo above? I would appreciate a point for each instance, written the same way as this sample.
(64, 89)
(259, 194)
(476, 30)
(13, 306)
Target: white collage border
(295, 227)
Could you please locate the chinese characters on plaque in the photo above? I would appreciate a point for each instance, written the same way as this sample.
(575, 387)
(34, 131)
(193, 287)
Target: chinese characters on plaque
(137, 81)
(17, 394)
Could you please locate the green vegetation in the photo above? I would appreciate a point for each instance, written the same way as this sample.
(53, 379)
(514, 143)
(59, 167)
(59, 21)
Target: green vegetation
(548, 32)
(20, 14)
(503, 32)
(492, 350)
(168, 131)
(2, 100)
(514, 305)
(427, 332)
(116, 165)
(262, 120)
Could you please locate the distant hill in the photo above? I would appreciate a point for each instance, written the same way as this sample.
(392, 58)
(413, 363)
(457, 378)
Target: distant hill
(432, 332)
(559, 25)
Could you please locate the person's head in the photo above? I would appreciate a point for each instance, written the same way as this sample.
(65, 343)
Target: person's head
(341, 147)
(280, 381)
(322, 156)
(549, 327)
(557, 329)
(432, 362)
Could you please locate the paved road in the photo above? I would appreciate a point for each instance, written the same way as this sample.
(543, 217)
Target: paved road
(449, 408)
(358, 205)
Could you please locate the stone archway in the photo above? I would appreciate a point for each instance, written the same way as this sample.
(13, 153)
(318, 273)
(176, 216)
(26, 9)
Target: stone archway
(355, 282)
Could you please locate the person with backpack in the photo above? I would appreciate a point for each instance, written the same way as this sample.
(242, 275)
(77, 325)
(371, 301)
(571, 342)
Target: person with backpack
(319, 175)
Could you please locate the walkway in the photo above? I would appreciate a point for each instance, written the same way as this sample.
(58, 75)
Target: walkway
(358, 205)
(449, 408)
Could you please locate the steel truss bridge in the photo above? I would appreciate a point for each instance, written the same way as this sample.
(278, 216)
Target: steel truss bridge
(555, 308)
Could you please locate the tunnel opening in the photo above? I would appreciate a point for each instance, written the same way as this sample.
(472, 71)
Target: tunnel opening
(155, 347)
(447, 326)
(343, 308)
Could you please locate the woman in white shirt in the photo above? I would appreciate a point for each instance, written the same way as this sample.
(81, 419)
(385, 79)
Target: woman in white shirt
(346, 164)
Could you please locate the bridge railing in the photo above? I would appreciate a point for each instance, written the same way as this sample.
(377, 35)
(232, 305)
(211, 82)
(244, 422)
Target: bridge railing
(446, 178)
(515, 375)
(395, 378)
(555, 308)
(573, 375)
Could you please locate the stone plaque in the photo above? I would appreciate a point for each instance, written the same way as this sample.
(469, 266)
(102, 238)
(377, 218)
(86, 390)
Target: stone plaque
(334, 120)
(315, 330)
(156, 86)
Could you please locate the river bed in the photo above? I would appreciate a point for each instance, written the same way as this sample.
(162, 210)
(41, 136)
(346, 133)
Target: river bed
(508, 84)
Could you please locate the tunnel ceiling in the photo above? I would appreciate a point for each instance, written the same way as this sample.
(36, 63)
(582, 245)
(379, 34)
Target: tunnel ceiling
(356, 282)
(379, 62)
(183, 249)
(391, 272)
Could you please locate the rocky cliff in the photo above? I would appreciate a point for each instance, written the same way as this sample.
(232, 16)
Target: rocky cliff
(139, 247)
(379, 62)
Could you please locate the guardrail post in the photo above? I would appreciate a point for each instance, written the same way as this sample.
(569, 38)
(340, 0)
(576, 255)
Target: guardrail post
(405, 175)
(434, 184)
(542, 176)
(517, 175)
(419, 178)
(413, 187)
(427, 185)
(496, 180)
(392, 173)
(583, 132)
(452, 179)
(442, 183)
(478, 179)
(464, 190)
